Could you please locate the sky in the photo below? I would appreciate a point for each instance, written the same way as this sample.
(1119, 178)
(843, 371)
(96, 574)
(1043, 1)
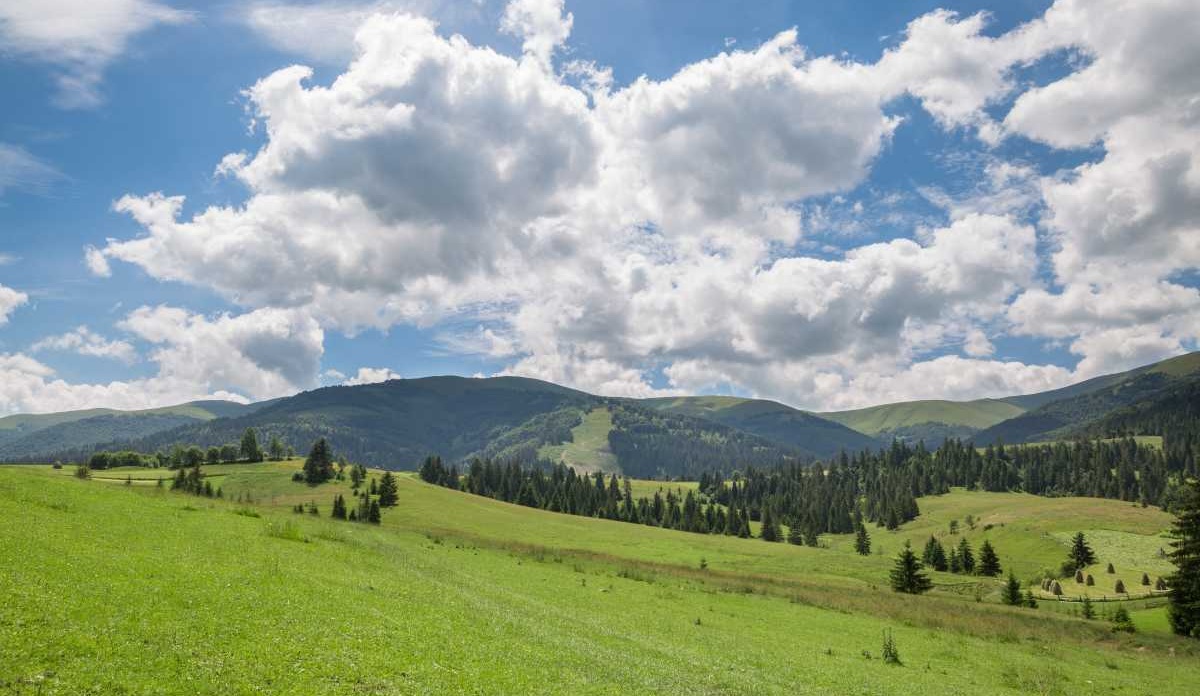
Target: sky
(828, 204)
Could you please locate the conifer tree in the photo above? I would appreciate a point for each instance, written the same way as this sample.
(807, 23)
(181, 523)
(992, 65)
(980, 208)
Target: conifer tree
(1122, 622)
(388, 490)
(373, 515)
(862, 540)
(1012, 591)
(318, 467)
(1081, 554)
(1184, 609)
(1030, 600)
(907, 576)
(794, 535)
(965, 557)
(1087, 611)
(954, 564)
(769, 531)
(249, 449)
(339, 507)
(989, 562)
(935, 554)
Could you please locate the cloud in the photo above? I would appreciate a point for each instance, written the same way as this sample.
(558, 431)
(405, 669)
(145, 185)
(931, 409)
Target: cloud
(9, 300)
(258, 355)
(22, 171)
(79, 38)
(371, 375)
(96, 262)
(540, 24)
(613, 237)
(84, 341)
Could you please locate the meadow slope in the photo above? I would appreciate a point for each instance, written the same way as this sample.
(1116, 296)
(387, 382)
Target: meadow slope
(134, 589)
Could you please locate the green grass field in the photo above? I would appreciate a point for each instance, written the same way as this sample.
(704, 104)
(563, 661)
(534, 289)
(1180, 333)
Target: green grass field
(873, 420)
(588, 449)
(115, 589)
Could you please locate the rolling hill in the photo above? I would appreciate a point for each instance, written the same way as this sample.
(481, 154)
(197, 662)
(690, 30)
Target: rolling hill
(770, 420)
(455, 593)
(932, 420)
(23, 435)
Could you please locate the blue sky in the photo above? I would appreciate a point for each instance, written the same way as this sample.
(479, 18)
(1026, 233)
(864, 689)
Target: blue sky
(863, 211)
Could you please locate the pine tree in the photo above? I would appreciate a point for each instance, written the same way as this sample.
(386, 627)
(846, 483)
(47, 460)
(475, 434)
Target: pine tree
(373, 515)
(769, 531)
(249, 449)
(1184, 610)
(318, 467)
(1081, 554)
(862, 540)
(1030, 600)
(794, 535)
(907, 576)
(954, 564)
(965, 557)
(388, 490)
(1087, 611)
(989, 563)
(1012, 591)
(339, 507)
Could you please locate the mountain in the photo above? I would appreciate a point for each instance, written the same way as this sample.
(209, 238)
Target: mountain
(770, 420)
(1076, 409)
(30, 434)
(932, 421)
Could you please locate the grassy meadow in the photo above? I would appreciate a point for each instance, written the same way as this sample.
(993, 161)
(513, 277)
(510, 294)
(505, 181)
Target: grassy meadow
(135, 589)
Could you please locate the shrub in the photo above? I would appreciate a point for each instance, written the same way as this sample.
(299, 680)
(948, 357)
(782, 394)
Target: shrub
(83, 471)
(1121, 621)
(890, 654)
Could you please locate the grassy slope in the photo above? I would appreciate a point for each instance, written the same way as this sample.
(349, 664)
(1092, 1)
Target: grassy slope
(134, 590)
(588, 450)
(877, 419)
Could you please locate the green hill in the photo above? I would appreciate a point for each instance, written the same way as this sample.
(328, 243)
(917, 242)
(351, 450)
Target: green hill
(931, 420)
(26, 435)
(1078, 410)
(134, 589)
(770, 420)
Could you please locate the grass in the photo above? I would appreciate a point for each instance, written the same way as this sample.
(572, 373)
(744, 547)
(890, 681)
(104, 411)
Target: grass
(124, 590)
(981, 413)
(588, 449)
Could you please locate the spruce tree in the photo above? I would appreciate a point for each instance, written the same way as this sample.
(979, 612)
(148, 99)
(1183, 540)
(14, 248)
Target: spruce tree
(989, 563)
(1081, 554)
(794, 535)
(1121, 621)
(954, 564)
(965, 557)
(1184, 609)
(1012, 591)
(1087, 610)
(907, 576)
(1030, 600)
(318, 467)
(339, 507)
(388, 490)
(769, 531)
(373, 515)
(862, 540)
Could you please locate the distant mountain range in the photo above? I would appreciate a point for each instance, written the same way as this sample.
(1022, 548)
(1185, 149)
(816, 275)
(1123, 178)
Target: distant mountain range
(397, 423)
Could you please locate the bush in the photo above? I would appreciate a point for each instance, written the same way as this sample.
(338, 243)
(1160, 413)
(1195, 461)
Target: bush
(1121, 621)
(83, 471)
(890, 654)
